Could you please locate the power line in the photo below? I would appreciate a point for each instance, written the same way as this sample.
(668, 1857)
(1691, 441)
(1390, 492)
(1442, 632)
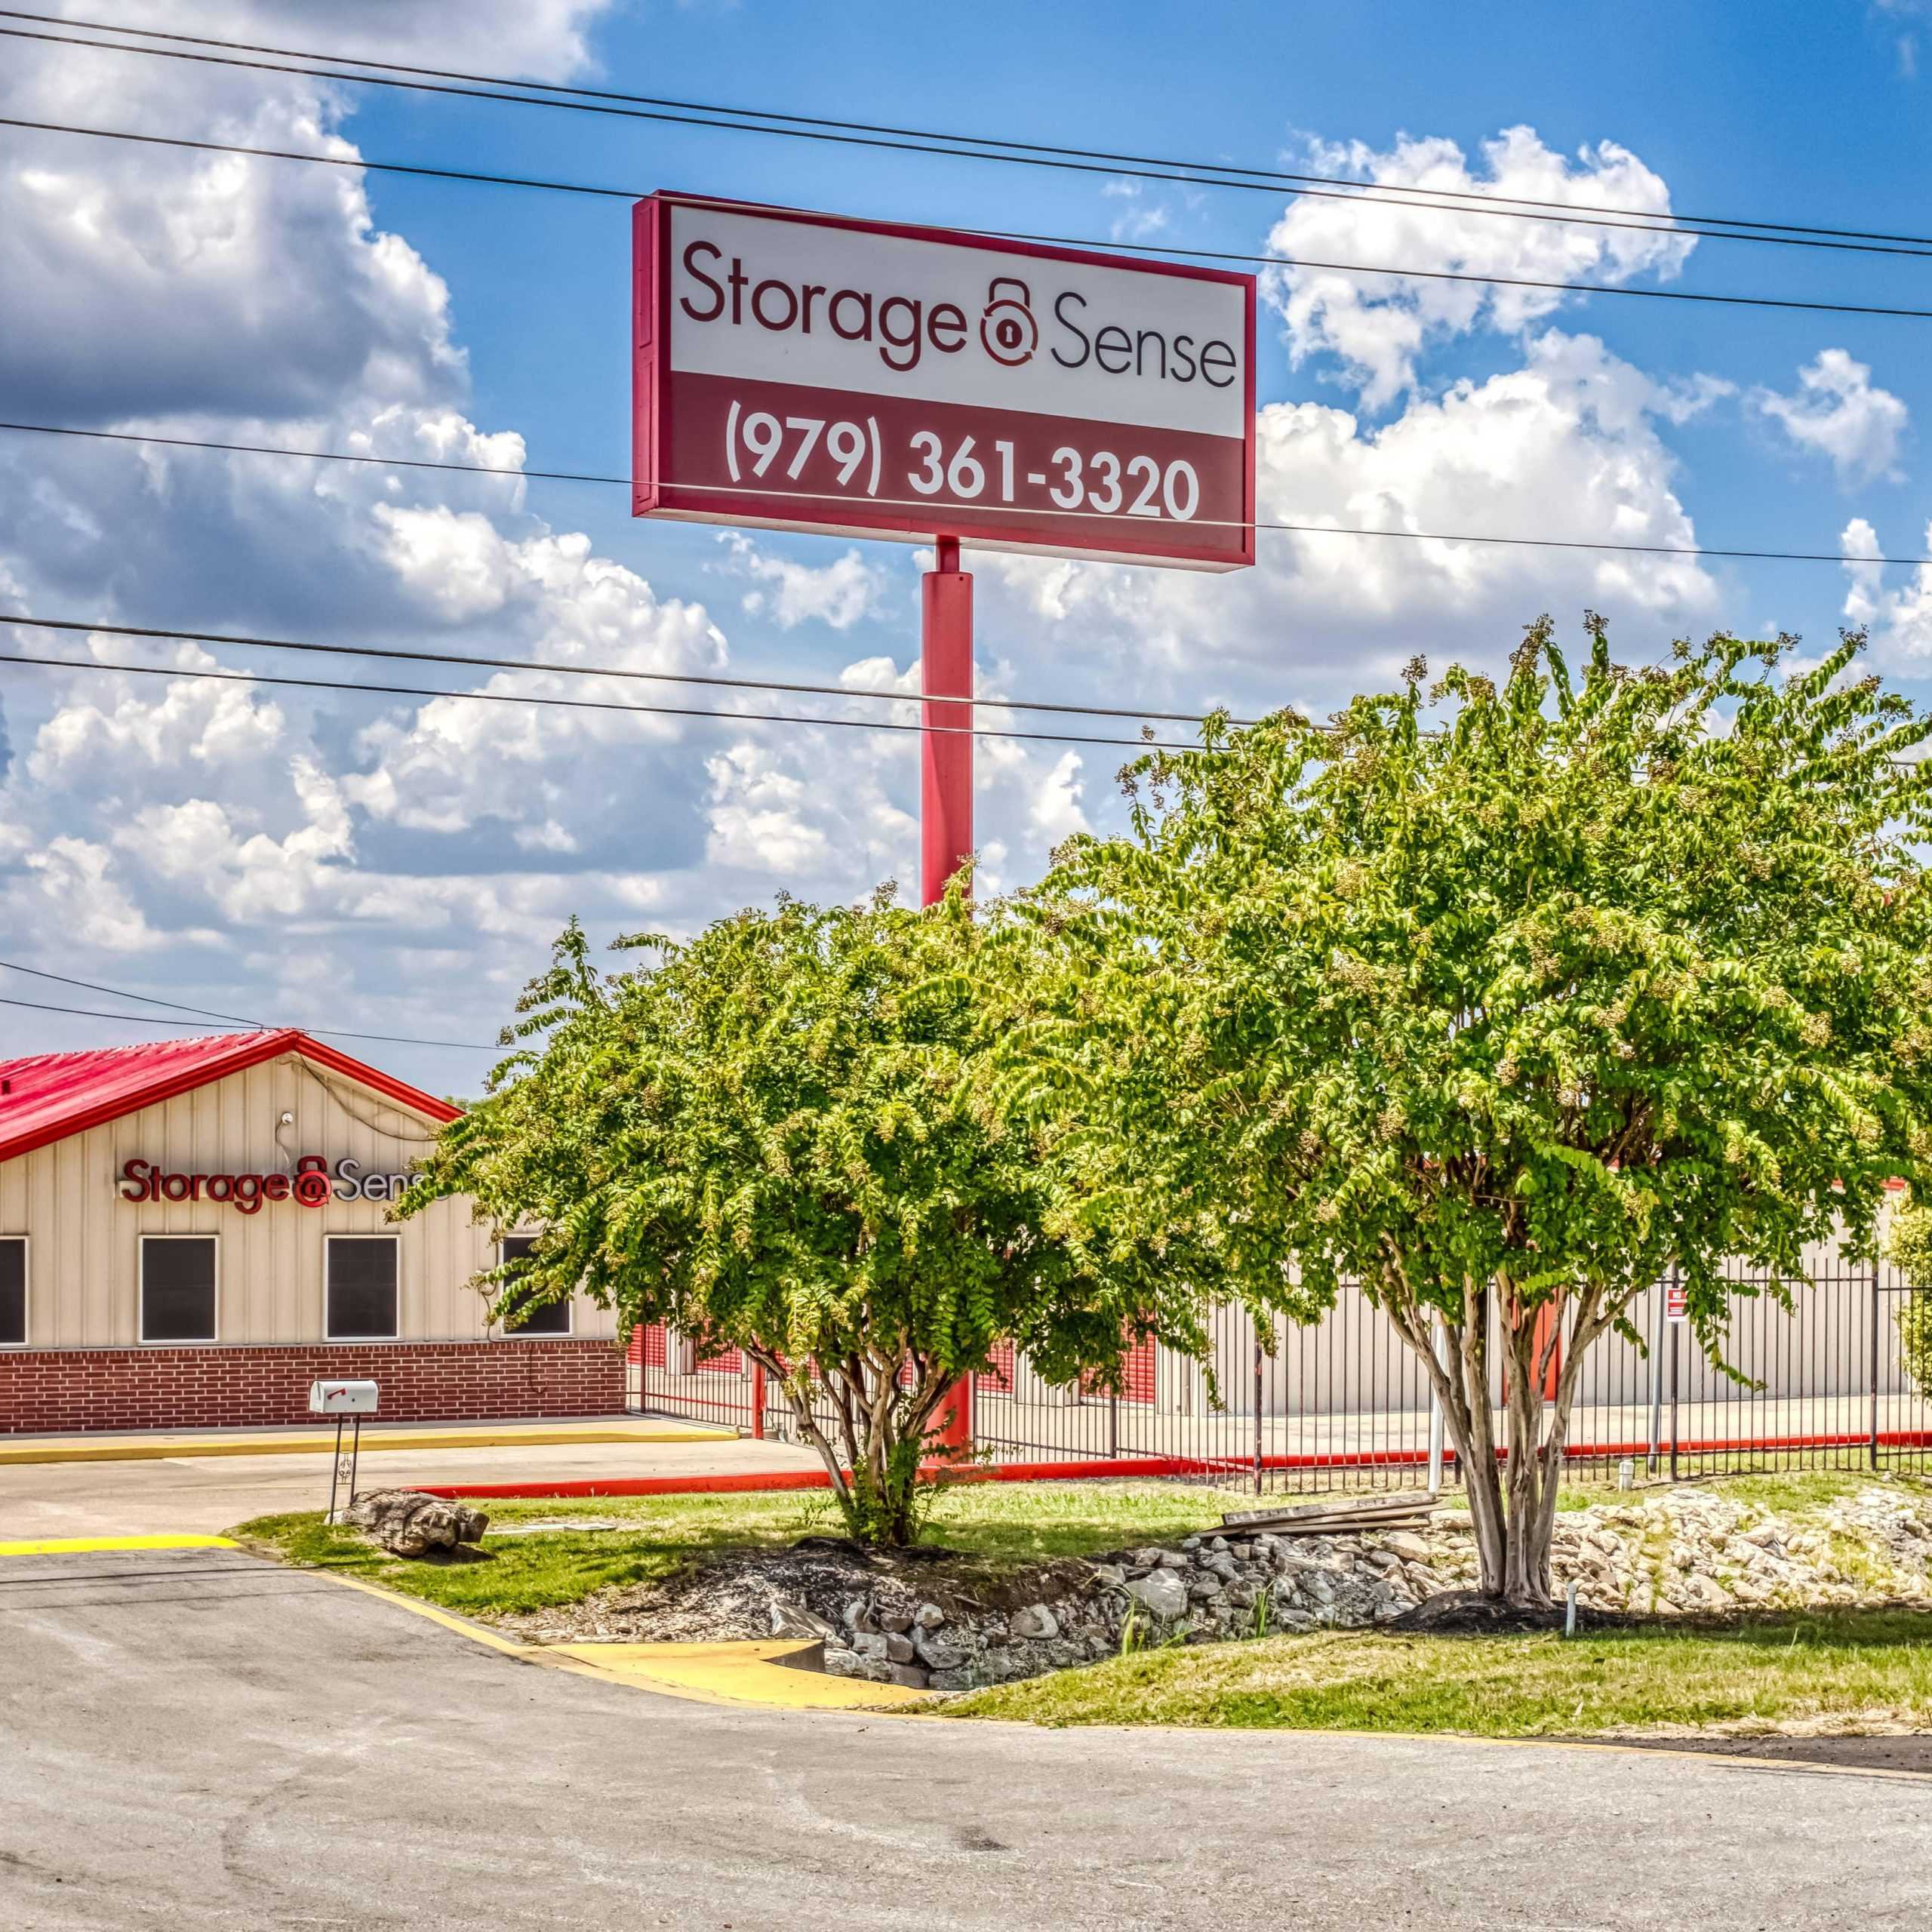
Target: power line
(1161, 249)
(121, 992)
(320, 1032)
(569, 703)
(1729, 553)
(584, 670)
(986, 147)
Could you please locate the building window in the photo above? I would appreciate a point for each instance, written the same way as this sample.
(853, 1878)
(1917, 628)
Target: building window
(178, 1287)
(552, 1318)
(362, 1286)
(13, 1291)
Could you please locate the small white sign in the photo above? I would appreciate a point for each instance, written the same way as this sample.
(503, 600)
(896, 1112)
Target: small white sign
(342, 1398)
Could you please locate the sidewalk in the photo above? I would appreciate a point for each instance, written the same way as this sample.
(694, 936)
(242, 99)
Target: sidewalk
(203, 1484)
(319, 1439)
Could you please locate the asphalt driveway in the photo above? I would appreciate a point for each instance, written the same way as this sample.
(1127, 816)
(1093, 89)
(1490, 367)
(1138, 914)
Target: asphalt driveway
(199, 1740)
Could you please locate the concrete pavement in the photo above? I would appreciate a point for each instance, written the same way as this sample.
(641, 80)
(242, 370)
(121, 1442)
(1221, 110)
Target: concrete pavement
(204, 1741)
(203, 1494)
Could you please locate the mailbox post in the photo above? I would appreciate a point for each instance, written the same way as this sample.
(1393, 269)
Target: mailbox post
(347, 1402)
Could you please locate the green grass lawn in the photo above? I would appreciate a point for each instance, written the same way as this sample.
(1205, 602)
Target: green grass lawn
(1849, 1670)
(1838, 1669)
(1002, 1523)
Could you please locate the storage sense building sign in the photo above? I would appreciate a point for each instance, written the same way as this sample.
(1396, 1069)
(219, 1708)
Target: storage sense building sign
(313, 1184)
(806, 372)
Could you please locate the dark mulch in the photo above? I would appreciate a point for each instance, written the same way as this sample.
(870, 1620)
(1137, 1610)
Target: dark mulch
(1912, 1752)
(1470, 1614)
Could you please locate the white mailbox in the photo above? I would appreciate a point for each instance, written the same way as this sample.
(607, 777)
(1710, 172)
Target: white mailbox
(342, 1398)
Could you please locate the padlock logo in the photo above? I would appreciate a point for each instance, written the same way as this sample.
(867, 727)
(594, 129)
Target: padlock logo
(1008, 328)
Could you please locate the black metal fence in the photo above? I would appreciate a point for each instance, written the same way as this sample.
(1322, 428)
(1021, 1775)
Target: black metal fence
(1826, 1381)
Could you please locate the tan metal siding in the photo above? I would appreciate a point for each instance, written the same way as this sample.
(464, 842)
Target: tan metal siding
(83, 1256)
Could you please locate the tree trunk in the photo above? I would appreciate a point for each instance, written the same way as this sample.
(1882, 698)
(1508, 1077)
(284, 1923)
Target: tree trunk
(876, 1481)
(1511, 1486)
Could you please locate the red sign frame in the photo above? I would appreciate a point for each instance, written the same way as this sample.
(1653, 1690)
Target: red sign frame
(682, 420)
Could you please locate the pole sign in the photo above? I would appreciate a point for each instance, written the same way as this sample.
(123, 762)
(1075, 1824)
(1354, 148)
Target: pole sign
(808, 372)
(1675, 1302)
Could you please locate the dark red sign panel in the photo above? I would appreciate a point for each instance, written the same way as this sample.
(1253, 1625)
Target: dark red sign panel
(805, 372)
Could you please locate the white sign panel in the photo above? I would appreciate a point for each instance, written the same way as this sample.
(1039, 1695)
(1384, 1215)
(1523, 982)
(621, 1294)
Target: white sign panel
(810, 372)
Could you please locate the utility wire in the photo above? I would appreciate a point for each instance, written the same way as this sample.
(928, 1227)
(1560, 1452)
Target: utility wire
(208, 1013)
(1158, 249)
(587, 670)
(327, 1032)
(121, 992)
(988, 147)
(571, 703)
(1730, 552)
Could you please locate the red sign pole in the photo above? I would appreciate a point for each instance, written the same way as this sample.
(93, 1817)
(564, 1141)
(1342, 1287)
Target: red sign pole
(945, 797)
(945, 794)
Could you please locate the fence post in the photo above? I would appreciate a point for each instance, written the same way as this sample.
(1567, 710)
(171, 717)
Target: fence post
(1656, 1375)
(1676, 1337)
(1436, 1429)
(1257, 1408)
(1876, 1292)
(758, 1402)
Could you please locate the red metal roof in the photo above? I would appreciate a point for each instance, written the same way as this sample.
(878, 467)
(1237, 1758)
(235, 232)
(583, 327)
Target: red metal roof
(46, 1096)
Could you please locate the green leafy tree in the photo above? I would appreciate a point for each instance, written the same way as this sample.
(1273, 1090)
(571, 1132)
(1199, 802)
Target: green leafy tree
(778, 1138)
(1908, 1246)
(1499, 1001)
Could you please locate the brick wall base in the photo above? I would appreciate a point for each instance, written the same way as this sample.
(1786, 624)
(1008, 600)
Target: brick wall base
(237, 1387)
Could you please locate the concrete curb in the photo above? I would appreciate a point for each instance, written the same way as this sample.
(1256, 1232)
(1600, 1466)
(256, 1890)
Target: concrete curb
(751, 1676)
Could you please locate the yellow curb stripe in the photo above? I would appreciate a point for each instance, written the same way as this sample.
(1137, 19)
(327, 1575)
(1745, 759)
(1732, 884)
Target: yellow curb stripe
(322, 1443)
(747, 1673)
(88, 1546)
(743, 1675)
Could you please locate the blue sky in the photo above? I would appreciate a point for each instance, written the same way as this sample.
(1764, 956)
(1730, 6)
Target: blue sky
(400, 867)
(1787, 110)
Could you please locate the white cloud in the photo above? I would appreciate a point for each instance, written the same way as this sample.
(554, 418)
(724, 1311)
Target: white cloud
(458, 565)
(127, 729)
(543, 40)
(70, 877)
(761, 815)
(840, 594)
(1899, 619)
(1565, 447)
(1380, 324)
(1837, 412)
(1137, 218)
(159, 815)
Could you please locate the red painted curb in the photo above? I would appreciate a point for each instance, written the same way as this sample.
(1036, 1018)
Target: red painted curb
(776, 1480)
(787, 1479)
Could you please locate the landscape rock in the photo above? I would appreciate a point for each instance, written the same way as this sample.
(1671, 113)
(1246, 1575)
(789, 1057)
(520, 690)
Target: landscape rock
(408, 1523)
(1683, 1552)
(937, 1653)
(1160, 1591)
